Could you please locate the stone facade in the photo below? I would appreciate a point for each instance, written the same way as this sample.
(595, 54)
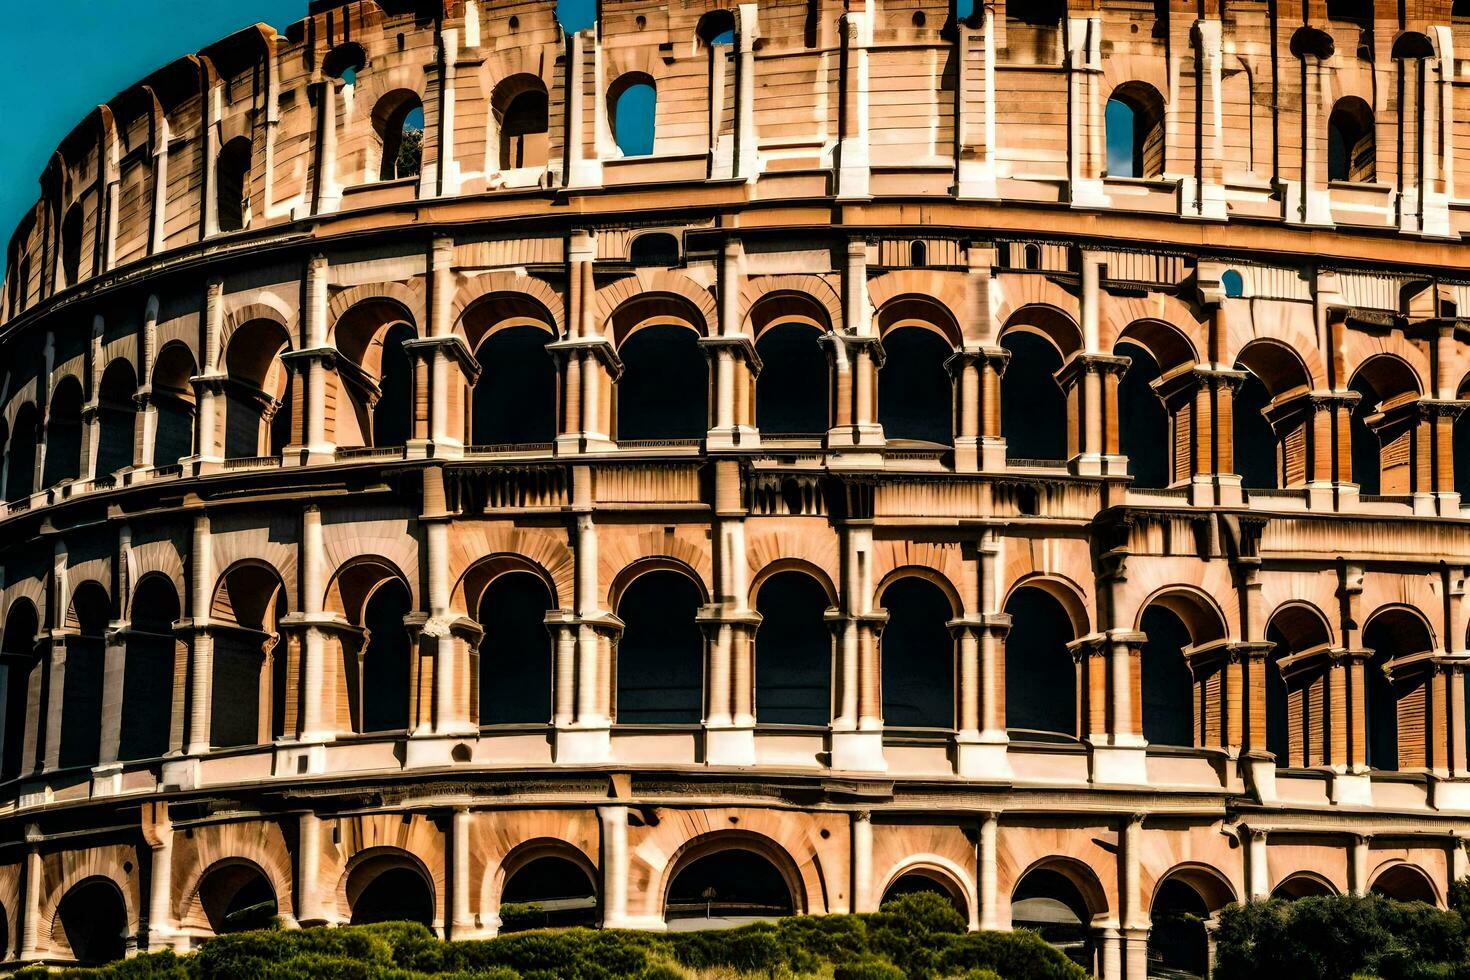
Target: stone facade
(374, 512)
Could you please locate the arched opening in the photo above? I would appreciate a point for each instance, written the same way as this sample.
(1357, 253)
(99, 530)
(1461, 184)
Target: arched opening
(1271, 416)
(71, 244)
(64, 433)
(22, 674)
(917, 655)
(660, 656)
(20, 470)
(376, 374)
(173, 401)
(1033, 407)
(1302, 886)
(1460, 435)
(1135, 131)
(247, 704)
(1382, 425)
(793, 651)
(236, 896)
(1296, 687)
(1040, 677)
(923, 881)
(258, 404)
(1049, 903)
(393, 411)
(148, 670)
(387, 658)
(116, 412)
(1232, 283)
(1177, 940)
(1351, 145)
(716, 28)
(915, 393)
(521, 115)
(1033, 32)
(1396, 695)
(516, 652)
(1405, 883)
(390, 888)
(1254, 440)
(514, 399)
(730, 887)
(1167, 684)
(1143, 427)
(81, 693)
(791, 391)
(654, 250)
(548, 891)
(632, 108)
(232, 185)
(344, 61)
(398, 119)
(664, 390)
(93, 922)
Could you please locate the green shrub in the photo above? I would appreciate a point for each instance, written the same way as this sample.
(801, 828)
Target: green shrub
(515, 916)
(869, 968)
(1019, 955)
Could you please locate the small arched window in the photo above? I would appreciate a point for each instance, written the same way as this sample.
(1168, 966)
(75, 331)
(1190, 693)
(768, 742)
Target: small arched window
(1135, 124)
(1031, 257)
(716, 28)
(232, 186)
(656, 249)
(918, 255)
(71, 244)
(633, 103)
(399, 121)
(344, 62)
(1351, 147)
(521, 110)
(1232, 283)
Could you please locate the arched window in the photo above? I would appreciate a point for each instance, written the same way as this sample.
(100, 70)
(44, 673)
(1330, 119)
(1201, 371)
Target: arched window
(344, 61)
(1233, 284)
(1405, 883)
(655, 249)
(81, 693)
(664, 390)
(116, 413)
(173, 401)
(22, 685)
(237, 896)
(1050, 903)
(258, 405)
(1033, 32)
(924, 882)
(232, 185)
(1143, 429)
(1177, 939)
(918, 254)
(71, 244)
(1300, 886)
(716, 28)
(1397, 700)
(398, 120)
(1351, 144)
(1135, 124)
(93, 921)
(64, 433)
(148, 670)
(248, 685)
(1166, 681)
(917, 656)
(387, 658)
(1041, 695)
(793, 652)
(791, 392)
(915, 393)
(733, 885)
(632, 108)
(559, 890)
(661, 653)
(521, 114)
(1382, 425)
(1271, 416)
(516, 652)
(389, 888)
(20, 470)
(1033, 407)
(514, 399)
(1254, 441)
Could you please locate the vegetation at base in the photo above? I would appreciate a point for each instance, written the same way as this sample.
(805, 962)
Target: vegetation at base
(914, 937)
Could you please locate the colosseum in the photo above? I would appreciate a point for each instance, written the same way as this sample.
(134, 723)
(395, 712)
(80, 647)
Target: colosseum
(743, 459)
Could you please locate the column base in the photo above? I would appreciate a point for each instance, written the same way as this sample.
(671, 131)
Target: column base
(858, 752)
(437, 750)
(307, 757)
(574, 443)
(1135, 952)
(1449, 794)
(1118, 765)
(966, 454)
(1350, 788)
(459, 931)
(1085, 464)
(161, 939)
(180, 773)
(982, 757)
(1260, 778)
(1220, 490)
(582, 745)
(421, 449)
(856, 445)
(1088, 193)
(735, 437)
(445, 448)
(646, 923)
(729, 747)
(107, 780)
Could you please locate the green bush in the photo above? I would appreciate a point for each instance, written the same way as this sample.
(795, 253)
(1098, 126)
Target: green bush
(1019, 955)
(515, 916)
(869, 968)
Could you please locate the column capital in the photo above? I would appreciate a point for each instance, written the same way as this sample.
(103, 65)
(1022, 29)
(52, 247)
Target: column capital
(1084, 363)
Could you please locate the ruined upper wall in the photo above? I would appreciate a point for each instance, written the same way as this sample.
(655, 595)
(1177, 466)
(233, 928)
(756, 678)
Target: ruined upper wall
(810, 99)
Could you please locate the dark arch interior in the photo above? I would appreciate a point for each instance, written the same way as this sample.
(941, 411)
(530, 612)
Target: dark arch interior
(664, 390)
(1033, 409)
(233, 191)
(918, 883)
(1461, 461)
(661, 653)
(515, 653)
(1050, 903)
(173, 396)
(240, 655)
(64, 434)
(1143, 423)
(237, 898)
(1177, 940)
(387, 659)
(1300, 886)
(71, 244)
(1278, 730)
(397, 894)
(791, 390)
(95, 922)
(115, 414)
(560, 890)
(514, 400)
(1041, 681)
(1168, 686)
(1366, 448)
(1405, 884)
(81, 693)
(1254, 439)
(917, 656)
(1351, 148)
(1388, 636)
(654, 249)
(523, 128)
(793, 652)
(148, 672)
(20, 473)
(18, 655)
(393, 411)
(732, 884)
(914, 389)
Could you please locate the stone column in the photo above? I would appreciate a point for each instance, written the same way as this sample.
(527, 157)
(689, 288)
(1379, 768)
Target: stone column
(614, 820)
(462, 923)
(1136, 918)
(201, 667)
(586, 360)
(1090, 382)
(863, 899)
(1358, 863)
(1258, 881)
(989, 862)
(55, 697)
(729, 626)
(586, 637)
(30, 923)
(856, 33)
(311, 907)
(158, 833)
(977, 371)
(857, 730)
(856, 355)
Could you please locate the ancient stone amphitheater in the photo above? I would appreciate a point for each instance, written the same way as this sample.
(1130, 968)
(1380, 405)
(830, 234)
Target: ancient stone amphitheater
(743, 459)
